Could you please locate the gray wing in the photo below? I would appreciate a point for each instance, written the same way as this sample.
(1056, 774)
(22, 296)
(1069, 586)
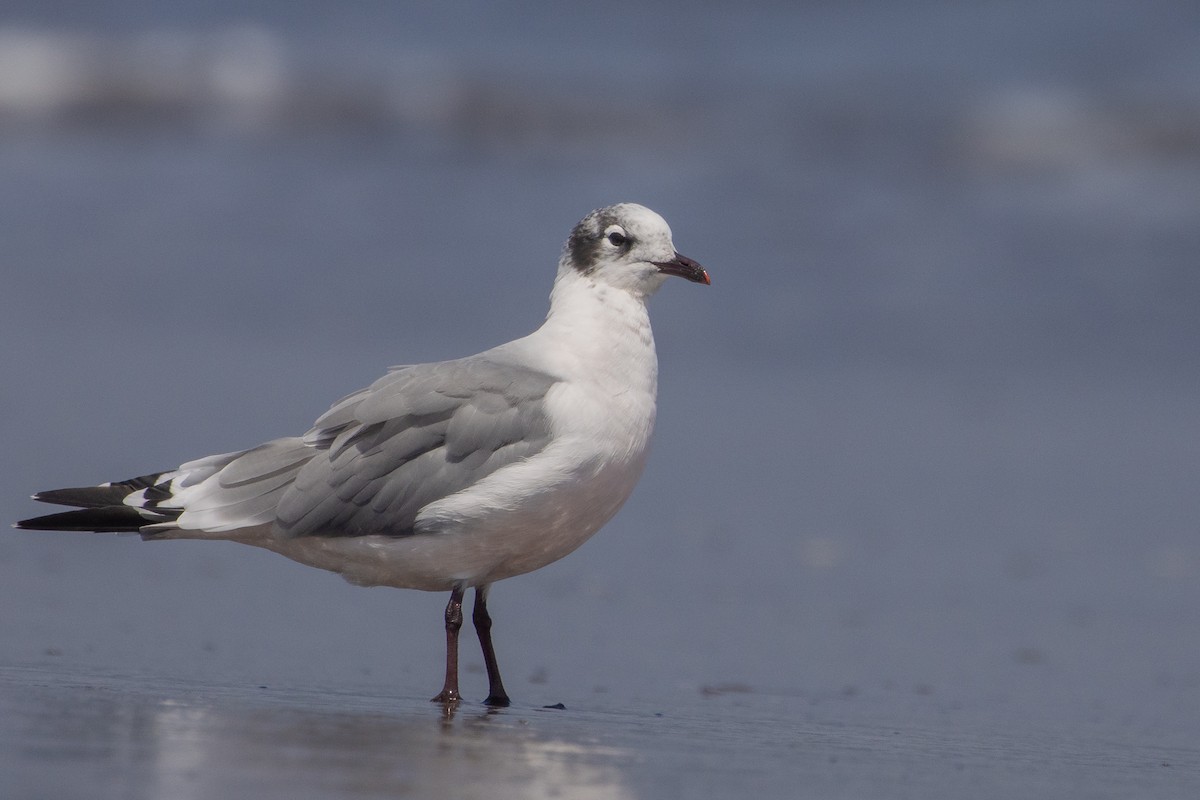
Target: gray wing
(416, 435)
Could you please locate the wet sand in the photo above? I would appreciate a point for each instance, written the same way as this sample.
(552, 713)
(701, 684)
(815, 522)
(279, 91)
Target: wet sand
(65, 734)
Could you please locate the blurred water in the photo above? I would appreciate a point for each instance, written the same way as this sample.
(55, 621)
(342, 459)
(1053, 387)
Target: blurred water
(926, 448)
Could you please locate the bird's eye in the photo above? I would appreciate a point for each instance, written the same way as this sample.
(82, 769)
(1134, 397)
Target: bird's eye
(617, 239)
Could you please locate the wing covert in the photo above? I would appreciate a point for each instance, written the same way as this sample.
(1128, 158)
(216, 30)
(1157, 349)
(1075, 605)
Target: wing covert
(414, 436)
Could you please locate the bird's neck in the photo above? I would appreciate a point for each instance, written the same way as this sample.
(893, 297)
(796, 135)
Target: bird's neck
(601, 334)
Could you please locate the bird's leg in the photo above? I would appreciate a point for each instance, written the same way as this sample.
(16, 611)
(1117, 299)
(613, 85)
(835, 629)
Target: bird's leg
(497, 697)
(449, 695)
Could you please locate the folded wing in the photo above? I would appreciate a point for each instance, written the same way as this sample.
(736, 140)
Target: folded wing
(415, 436)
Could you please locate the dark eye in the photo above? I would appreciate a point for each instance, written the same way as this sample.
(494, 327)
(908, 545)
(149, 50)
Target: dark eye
(617, 239)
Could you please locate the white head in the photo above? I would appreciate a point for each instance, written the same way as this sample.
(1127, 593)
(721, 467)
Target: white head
(626, 246)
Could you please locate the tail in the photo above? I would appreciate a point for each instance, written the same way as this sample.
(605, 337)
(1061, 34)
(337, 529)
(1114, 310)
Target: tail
(216, 494)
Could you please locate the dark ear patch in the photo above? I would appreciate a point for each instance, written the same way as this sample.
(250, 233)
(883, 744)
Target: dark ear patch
(584, 243)
(584, 249)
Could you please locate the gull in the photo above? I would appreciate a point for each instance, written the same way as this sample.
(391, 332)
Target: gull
(452, 475)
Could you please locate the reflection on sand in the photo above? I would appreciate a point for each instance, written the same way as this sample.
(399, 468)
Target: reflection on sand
(223, 746)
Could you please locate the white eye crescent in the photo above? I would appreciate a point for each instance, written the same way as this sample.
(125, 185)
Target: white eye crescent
(616, 236)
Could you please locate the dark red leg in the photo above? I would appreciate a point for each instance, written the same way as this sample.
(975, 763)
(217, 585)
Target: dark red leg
(497, 697)
(449, 695)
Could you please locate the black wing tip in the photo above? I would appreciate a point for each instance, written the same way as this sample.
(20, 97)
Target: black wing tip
(88, 520)
(81, 496)
(107, 494)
